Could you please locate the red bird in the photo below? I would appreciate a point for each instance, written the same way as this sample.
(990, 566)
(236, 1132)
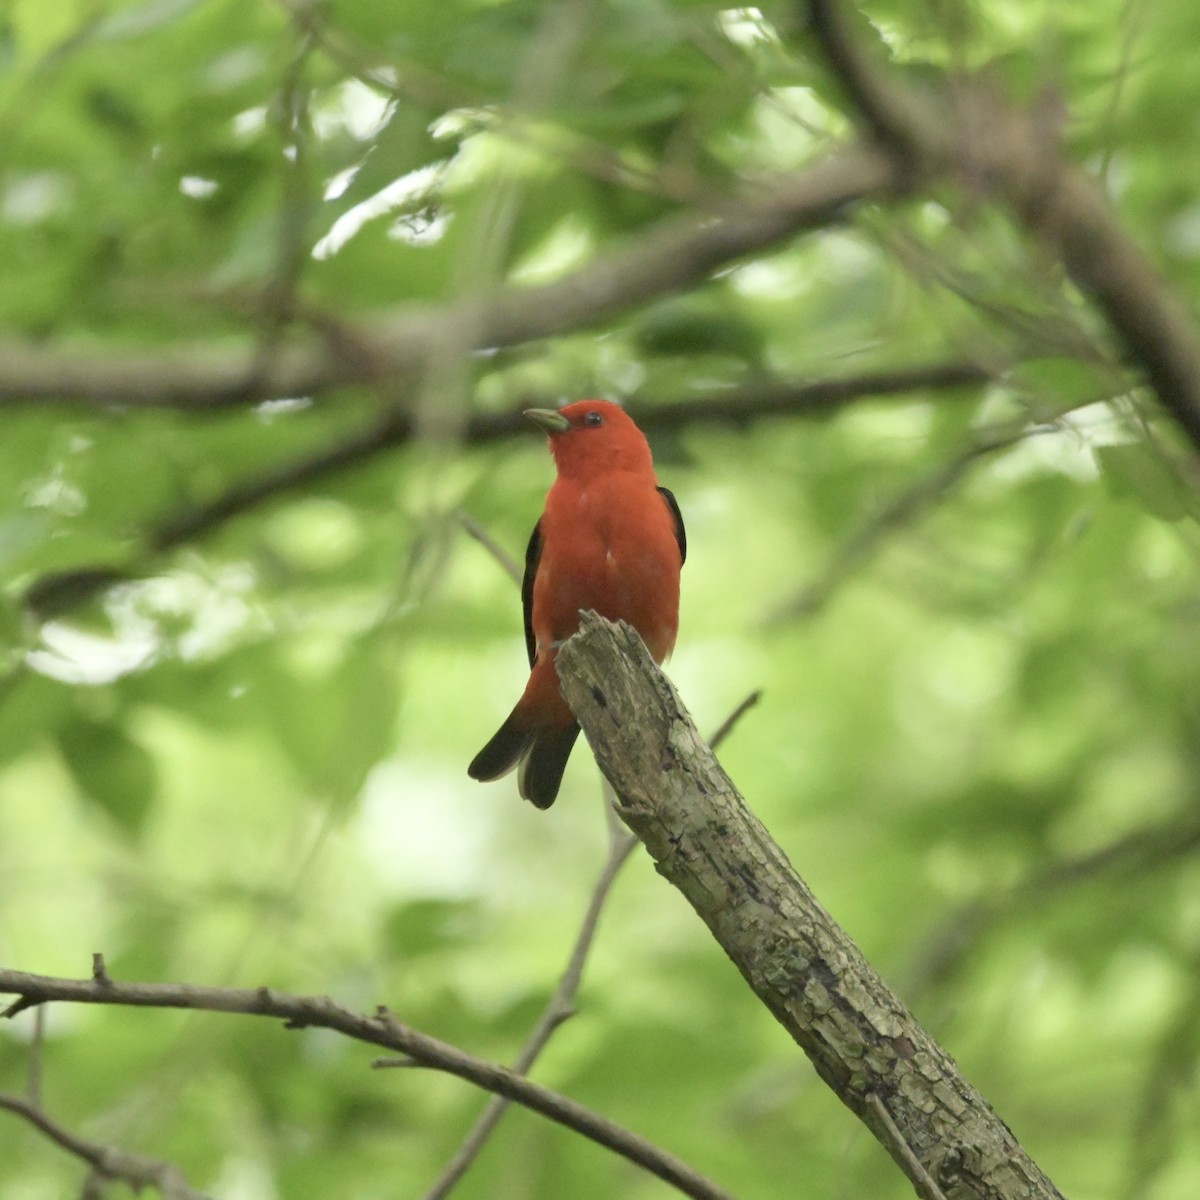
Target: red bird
(611, 540)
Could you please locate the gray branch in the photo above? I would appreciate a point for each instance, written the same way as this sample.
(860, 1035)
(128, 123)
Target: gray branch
(108, 1162)
(59, 592)
(380, 1029)
(970, 136)
(704, 839)
(677, 254)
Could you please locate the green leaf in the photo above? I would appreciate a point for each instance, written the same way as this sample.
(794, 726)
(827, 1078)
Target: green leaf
(338, 724)
(430, 925)
(699, 327)
(1138, 471)
(1055, 383)
(112, 770)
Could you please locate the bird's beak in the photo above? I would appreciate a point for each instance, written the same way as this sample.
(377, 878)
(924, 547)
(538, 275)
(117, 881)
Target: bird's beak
(549, 420)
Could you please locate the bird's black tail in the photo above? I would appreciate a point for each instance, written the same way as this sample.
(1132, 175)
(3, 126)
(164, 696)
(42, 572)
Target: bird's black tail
(542, 768)
(509, 744)
(541, 754)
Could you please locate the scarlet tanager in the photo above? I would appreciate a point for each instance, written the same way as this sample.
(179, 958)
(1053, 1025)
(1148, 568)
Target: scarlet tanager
(610, 539)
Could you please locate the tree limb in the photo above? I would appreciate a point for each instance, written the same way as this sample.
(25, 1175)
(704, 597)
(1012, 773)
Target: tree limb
(1144, 851)
(62, 591)
(137, 1170)
(970, 136)
(679, 253)
(862, 1041)
(380, 1029)
(559, 1010)
(899, 512)
(562, 1004)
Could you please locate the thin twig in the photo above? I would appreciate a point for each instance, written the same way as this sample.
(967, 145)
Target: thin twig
(915, 500)
(295, 131)
(1144, 850)
(33, 1082)
(922, 1181)
(561, 1006)
(137, 1170)
(509, 564)
(898, 513)
(726, 726)
(381, 1029)
(1168, 1087)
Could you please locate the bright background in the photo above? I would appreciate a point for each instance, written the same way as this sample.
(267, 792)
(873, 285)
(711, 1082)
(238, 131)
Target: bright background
(979, 737)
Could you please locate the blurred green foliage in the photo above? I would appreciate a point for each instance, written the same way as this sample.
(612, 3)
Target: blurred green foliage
(245, 764)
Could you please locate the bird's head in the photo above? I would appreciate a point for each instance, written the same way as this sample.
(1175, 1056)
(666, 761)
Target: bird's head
(591, 436)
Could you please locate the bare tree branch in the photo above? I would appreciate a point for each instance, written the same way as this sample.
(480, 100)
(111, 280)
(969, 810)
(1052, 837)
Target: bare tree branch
(62, 591)
(731, 722)
(137, 1170)
(677, 254)
(860, 1038)
(897, 514)
(381, 1029)
(1142, 851)
(910, 504)
(508, 564)
(926, 1188)
(562, 1003)
(559, 1010)
(969, 135)
(37, 1048)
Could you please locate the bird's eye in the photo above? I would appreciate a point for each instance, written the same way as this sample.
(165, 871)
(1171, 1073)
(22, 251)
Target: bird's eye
(593, 418)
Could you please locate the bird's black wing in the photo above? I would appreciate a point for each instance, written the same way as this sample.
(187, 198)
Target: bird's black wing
(680, 532)
(533, 554)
